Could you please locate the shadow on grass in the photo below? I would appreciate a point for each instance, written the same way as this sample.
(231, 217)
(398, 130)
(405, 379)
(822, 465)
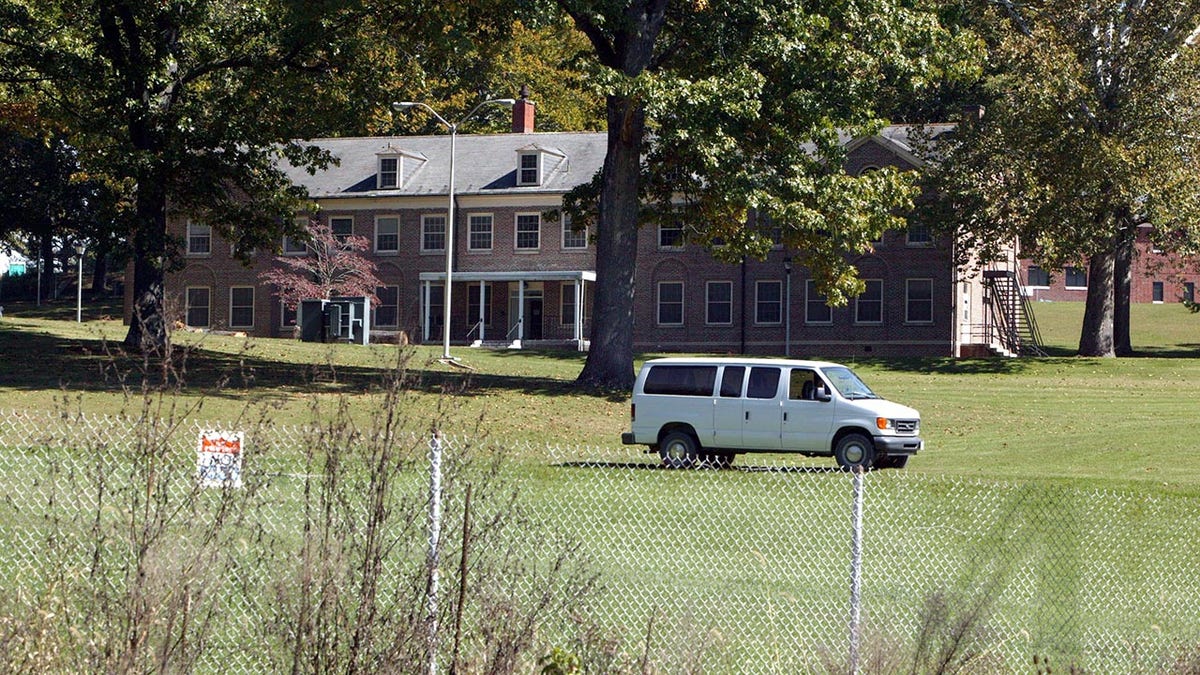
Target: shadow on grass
(37, 361)
(650, 466)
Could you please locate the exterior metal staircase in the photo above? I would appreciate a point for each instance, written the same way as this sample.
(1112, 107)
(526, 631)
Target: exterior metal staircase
(1011, 323)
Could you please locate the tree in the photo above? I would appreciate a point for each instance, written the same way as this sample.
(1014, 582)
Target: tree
(334, 266)
(1093, 130)
(736, 107)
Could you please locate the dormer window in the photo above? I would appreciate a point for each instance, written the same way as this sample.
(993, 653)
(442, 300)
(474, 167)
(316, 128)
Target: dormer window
(389, 172)
(529, 172)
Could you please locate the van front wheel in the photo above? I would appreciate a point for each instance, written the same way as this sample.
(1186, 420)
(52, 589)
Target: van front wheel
(853, 451)
(678, 449)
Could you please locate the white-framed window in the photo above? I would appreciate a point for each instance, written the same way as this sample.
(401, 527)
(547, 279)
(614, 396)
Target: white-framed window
(199, 239)
(816, 309)
(294, 245)
(433, 234)
(919, 235)
(387, 312)
(241, 307)
(1075, 277)
(768, 302)
(342, 227)
(1036, 276)
(670, 235)
(566, 303)
(387, 234)
(1156, 290)
(473, 304)
(1189, 292)
(670, 303)
(918, 301)
(528, 231)
(198, 306)
(479, 232)
(868, 306)
(529, 168)
(389, 172)
(573, 239)
(287, 315)
(718, 303)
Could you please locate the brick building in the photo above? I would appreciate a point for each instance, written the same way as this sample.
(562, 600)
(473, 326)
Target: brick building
(522, 275)
(1157, 277)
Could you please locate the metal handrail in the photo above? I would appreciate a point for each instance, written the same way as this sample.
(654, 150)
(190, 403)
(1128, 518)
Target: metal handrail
(477, 325)
(516, 326)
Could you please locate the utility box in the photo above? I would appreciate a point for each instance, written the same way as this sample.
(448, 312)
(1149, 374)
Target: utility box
(338, 319)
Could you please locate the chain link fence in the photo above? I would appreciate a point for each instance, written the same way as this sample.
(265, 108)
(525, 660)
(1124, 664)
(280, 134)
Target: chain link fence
(595, 556)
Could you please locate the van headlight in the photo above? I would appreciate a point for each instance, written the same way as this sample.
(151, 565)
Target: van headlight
(885, 424)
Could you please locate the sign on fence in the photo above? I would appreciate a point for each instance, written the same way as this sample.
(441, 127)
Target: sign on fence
(219, 459)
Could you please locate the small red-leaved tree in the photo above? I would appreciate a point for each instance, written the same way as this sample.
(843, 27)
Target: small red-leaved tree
(333, 266)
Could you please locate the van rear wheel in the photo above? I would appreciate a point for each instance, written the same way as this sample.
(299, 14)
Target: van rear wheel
(678, 450)
(854, 451)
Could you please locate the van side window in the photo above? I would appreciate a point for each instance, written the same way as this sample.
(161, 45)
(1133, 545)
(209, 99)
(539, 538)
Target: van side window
(681, 380)
(764, 382)
(731, 381)
(803, 385)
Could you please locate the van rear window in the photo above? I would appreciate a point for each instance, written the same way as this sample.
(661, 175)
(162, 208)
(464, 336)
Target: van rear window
(680, 380)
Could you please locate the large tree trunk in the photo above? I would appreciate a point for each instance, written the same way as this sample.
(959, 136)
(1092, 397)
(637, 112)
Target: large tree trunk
(610, 358)
(1122, 282)
(1096, 337)
(148, 327)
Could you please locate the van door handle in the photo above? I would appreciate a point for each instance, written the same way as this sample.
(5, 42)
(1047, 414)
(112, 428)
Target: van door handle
(785, 417)
(747, 415)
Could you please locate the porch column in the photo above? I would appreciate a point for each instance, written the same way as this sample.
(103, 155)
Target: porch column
(520, 310)
(482, 308)
(579, 314)
(425, 311)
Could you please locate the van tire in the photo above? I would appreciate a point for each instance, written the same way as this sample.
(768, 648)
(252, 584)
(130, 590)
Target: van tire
(679, 450)
(853, 451)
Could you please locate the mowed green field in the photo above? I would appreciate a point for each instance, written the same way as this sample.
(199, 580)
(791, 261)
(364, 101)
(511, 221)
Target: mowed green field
(1095, 422)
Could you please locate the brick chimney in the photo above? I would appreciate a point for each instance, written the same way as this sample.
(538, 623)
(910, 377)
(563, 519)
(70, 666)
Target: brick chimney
(522, 120)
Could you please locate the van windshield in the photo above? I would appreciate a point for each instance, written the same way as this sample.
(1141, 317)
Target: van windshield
(848, 384)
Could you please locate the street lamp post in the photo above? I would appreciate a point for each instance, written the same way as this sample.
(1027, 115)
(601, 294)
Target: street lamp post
(453, 128)
(80, 247)
(787, 307)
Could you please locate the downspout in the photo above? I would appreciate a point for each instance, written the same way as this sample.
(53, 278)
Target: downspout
(742, 307)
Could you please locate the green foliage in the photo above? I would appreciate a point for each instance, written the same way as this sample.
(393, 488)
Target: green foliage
(560, 662)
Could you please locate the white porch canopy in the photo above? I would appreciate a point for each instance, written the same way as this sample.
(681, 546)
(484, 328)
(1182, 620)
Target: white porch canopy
(578, 277)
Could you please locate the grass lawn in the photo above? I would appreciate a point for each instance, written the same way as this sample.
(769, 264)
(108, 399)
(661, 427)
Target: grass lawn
(1107, 422)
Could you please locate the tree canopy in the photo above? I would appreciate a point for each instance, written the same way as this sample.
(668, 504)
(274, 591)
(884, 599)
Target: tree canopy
(1092, 129)
(738, 107)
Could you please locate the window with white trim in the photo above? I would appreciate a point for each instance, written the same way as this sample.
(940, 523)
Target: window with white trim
(479, 232)
(433, 234)
(199, 239)
(241, 307)
(473, 304)
(387, 312)
(718, 303)
(566, 304)
(1189, 292)
(287, 315)
(342, 227)
(296, 245)
(529, 169)
(197, 306)
(670, 235)
(919, 235)
(768, 302)
(387, 234)
(1074, 277)
(816, 309)
(1036, 276)
(670, 303)
(868, 306)
(572, 238)
(389, 172)
(918, 301)
(528, 231)
(1156, 291)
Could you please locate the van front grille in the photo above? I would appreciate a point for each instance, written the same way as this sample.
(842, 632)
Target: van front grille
(907, 426)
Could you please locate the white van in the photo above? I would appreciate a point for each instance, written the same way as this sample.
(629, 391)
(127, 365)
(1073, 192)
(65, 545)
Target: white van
(707, 410)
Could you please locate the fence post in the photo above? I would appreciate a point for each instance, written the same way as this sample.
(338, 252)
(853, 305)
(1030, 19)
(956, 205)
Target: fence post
(435, 534)
(856, 570)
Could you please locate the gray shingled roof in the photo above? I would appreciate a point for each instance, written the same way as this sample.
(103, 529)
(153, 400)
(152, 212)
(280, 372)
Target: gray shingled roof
(484, 164)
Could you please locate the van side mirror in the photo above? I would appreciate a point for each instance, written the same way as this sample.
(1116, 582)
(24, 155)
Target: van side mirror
(823, 394)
